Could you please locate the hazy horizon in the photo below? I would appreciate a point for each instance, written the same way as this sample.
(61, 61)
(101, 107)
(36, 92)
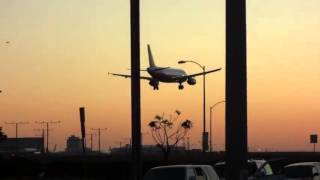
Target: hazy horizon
(60, 52)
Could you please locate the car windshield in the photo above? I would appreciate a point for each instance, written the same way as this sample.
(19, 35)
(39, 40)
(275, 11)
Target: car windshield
(166, 174)
(221, 169)
(298, 171)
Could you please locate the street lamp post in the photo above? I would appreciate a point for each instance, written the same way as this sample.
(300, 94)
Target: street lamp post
(211, 108)
(204, 133)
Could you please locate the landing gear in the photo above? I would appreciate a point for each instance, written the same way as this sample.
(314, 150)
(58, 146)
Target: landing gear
(180, 87)
(155, 87)
(154, 84)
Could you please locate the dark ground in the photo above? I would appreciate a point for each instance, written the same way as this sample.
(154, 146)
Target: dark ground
(117, 166)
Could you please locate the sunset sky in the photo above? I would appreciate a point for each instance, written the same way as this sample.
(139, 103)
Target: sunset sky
(61, 50)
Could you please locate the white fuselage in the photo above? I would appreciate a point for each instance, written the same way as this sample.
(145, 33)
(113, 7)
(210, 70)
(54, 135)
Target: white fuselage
(167, 74)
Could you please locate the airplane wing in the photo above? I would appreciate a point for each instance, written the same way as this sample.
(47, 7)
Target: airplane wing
(206, 72)
(129, 76)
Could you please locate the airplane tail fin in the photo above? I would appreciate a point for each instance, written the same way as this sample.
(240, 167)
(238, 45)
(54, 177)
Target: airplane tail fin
(151, 61)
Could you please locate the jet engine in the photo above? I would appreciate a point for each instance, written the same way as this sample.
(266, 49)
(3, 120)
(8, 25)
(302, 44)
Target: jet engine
(191, 81)
(154, 84)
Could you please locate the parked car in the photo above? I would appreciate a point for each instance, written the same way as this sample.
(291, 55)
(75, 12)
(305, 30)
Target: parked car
(182, 172)
(302, 170)
(257, 169)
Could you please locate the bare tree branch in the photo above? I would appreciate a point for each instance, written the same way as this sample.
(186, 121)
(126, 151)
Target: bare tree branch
(167, 133)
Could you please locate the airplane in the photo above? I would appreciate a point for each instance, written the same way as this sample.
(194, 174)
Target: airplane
(166, 74)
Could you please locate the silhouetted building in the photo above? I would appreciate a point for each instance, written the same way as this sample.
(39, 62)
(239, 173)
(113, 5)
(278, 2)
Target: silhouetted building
(22, 145)
(74, 144)
(124, 149)
(146, 149)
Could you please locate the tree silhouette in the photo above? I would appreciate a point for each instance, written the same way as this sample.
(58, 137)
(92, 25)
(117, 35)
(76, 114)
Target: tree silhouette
(3, 136)
(168, 132)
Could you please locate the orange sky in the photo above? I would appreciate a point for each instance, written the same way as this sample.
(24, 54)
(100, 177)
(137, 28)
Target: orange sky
(60, 52)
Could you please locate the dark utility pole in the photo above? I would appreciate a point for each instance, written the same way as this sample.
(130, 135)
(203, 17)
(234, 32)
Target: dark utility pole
(236, 90)
(91, 142)
(99, 137)
(47, 127)
(17, 125)
(43, 138)
(47, 150)
(83, 128)
(135, 89)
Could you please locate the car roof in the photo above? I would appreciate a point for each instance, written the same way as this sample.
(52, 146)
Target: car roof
(257, 161)
(304, 164)
(180, 166)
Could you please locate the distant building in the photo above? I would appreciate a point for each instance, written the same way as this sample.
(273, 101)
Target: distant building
(124, 149)
(22, 145)
(145, 149)
(74, 144)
